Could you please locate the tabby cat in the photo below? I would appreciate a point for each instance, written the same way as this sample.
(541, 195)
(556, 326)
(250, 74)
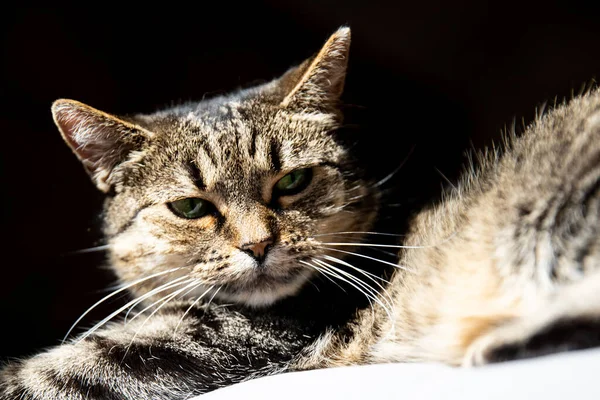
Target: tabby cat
(245, 198)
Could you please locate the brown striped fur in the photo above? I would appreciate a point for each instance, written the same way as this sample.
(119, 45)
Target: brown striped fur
(506, 266)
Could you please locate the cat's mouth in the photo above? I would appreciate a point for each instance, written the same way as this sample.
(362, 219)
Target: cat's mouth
(262, 290)
(259, 283)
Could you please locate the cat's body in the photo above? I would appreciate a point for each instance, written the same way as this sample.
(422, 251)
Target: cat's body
(508, 264)
(246, 197)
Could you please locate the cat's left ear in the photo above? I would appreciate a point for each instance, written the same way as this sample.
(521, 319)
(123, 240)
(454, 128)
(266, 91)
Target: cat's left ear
(101, 141)
(318, 82)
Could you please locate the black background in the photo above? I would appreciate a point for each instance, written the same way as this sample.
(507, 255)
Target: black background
(444, 76)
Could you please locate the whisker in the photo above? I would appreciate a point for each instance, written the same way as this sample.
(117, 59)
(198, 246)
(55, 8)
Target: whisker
(190, 283)
(90, 249)
(389, 253)
(165, 301)
(325, 270)
(358, 233)
(192, 305)
(328, 278)
(363, 284)
(369, 292)
(394, 246)
(395, 171)
(114, 294)
(387, 297)
(342, 262)
(446, 179)
(114, 314)
(370, 258)
(309, 280)
(213, 296)
(159, 289)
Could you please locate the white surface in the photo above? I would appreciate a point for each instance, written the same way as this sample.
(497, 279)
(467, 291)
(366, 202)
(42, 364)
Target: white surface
(566, 376)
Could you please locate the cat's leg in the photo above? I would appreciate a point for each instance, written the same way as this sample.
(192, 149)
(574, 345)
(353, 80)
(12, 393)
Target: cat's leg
(568, 320)
(165, 357)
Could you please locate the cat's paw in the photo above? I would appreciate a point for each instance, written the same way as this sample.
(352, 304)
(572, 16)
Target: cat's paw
(518, 341)
(568, 319)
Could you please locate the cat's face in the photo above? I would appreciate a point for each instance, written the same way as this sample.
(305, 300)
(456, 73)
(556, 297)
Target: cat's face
(234, 196)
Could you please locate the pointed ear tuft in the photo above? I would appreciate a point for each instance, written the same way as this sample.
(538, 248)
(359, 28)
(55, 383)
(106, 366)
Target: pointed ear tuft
(319, 82)
(100, 141)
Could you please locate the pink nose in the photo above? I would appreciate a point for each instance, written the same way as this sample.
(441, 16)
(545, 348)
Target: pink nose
(258, 249)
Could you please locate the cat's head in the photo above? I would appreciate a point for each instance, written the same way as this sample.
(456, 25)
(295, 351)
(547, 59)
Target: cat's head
(235, 194)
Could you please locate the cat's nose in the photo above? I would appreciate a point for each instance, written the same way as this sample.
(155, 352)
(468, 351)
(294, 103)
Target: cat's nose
(258, 249)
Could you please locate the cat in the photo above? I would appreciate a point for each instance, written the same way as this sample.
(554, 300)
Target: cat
(245, 198)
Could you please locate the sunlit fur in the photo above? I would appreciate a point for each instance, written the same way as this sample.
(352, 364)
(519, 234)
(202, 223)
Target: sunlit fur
(231, 151)
(506, 266)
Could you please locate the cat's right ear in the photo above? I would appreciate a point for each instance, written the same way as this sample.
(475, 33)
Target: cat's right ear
(101, 141)
(317, 84)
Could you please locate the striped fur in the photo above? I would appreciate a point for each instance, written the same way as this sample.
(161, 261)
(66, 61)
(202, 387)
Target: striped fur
(506, 266)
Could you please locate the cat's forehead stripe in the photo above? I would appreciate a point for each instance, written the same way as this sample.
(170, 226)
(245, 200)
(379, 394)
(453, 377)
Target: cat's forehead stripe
(274, 154)
(253, 136)
(210, 154)
(196, 175)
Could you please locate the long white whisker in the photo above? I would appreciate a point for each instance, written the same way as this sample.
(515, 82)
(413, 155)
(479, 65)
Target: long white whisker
(368, 257)
(165, 301)
(358, 281)
(159, 289)
(326, 271)
(189, 283)
(371, 275)
(387, 297)
(213, 296)
(114, 314)
(90, 249)
(192, 305)
(156, 290)
(182, 295)
(368, 294)
(364, 288)
(327, 277)
(114, 294)
(357, 233)
(322, 272)
(394, 246)
(165, 288)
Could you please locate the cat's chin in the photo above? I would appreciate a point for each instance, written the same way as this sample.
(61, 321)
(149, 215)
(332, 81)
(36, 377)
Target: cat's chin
(259, 296)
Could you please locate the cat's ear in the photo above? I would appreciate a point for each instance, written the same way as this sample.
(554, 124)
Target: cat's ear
(318, 82)
(100, 141)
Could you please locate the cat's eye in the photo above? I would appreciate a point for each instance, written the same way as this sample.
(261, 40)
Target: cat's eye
(292, 183)
(191, 208)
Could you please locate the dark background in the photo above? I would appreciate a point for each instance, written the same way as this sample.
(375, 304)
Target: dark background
(444, 76)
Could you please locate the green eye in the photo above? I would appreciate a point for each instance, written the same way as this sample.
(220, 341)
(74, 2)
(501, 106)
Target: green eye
(294, 182)
(190, 208)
